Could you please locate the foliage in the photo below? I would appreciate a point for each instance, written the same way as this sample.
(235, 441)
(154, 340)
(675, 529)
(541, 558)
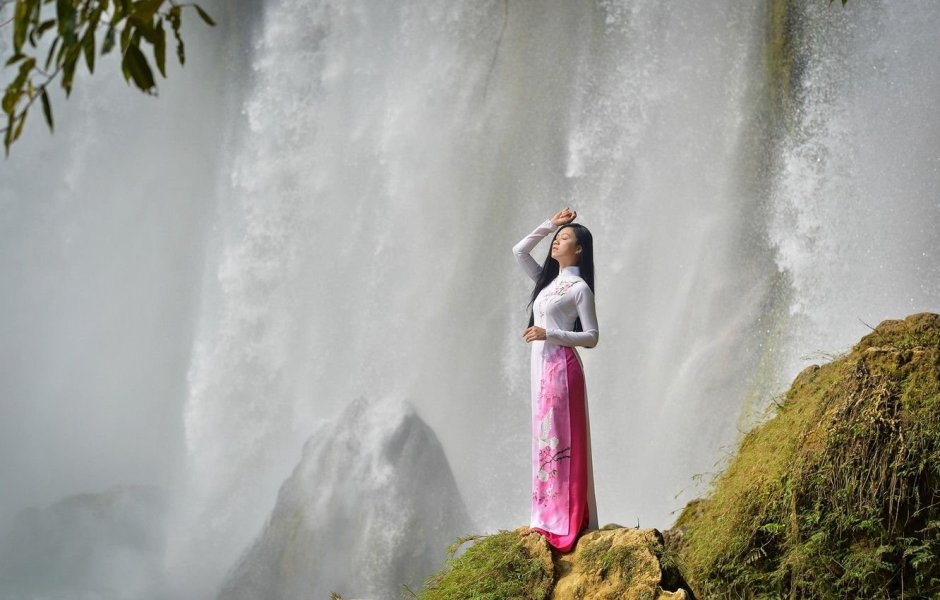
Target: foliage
(74, 27)
(494, 568)
(837, 496)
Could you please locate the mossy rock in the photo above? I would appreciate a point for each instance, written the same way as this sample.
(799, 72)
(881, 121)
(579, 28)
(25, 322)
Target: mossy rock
(838, 495)
(614, 563)
(505, 565)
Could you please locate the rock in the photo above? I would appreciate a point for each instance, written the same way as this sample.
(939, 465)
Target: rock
(105, 545)
(508, 564)
(348, 519)
(614, 564)
(838, 495)
(537, 548)
(609, 564)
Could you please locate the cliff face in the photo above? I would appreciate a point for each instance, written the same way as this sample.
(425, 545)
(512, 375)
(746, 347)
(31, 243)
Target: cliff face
(838, 495)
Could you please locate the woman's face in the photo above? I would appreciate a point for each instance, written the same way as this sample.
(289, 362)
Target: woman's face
(565, 248)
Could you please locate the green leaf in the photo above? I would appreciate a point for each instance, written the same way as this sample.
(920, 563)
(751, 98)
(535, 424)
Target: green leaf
(19, 127)
(95, 18)
(59, 57)
(136, 65)
(68, 67)
(175, 17)
(10, 99)
(144, 10)
(126, 37)
(15, 59)
(117, 15)
(88, 45)
(8, 136)
(25, 67)
(20, 25)
(37, 28)
(159, 49)
(45, 26)
(146, 29)
(55, 44)
(66, 13)
(14, 91)
(46, 108)
(108, 44)
(205, 16)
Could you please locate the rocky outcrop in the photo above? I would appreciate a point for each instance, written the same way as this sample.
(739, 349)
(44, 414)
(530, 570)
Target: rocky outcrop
(366, 510)
(614, 563)
(837, 495)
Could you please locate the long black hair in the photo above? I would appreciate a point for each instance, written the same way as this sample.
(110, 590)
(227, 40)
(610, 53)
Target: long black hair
(550, 268)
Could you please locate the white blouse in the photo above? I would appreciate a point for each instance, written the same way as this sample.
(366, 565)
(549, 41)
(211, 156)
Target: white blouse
(566, 298)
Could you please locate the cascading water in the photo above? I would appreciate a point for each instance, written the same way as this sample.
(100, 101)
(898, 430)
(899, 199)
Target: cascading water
(855, 200)
(349, 186)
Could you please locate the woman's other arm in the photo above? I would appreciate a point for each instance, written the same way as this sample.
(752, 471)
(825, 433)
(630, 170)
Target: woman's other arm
(584, 300)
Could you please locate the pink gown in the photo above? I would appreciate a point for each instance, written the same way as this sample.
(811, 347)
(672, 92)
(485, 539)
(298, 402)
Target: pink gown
(562, 480)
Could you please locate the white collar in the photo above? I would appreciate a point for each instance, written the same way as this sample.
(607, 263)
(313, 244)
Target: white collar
(572, 270)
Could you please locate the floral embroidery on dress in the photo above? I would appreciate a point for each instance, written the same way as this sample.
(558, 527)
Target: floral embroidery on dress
(547, 449)
(559, 288)
(549, 454)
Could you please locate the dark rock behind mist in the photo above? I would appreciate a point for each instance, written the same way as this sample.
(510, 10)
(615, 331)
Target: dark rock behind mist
(370, 507)
(105, 546)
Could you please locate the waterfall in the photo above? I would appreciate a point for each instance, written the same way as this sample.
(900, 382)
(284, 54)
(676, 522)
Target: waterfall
(320, 207)
(855, 206)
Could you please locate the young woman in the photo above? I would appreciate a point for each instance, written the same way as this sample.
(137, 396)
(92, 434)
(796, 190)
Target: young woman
(562, 317)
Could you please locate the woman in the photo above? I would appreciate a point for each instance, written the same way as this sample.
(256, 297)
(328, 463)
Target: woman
(562, 317)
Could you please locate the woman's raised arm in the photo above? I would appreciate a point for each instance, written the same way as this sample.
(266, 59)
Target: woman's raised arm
(525, 246)
(522, 249)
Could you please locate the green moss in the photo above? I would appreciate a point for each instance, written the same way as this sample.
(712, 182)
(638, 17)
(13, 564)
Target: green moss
(837, 496)
(494, 568)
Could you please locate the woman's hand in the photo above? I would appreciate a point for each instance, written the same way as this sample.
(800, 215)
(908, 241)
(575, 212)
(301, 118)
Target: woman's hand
(563, 217)
(533, 333)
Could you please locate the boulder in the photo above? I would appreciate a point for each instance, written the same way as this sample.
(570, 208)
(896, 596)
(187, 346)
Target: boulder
(614, 564)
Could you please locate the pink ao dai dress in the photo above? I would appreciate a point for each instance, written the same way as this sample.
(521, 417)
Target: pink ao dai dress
(562, 481)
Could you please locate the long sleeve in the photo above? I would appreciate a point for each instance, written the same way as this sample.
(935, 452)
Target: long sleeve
(584, 300)
(525, 246)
